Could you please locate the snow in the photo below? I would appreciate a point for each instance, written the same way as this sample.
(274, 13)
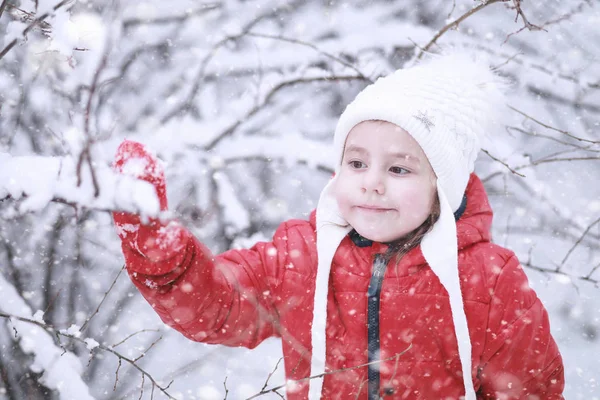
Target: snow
(36, 180)
(91, 343)
(14, 30)
(61, 369)
(271, 160)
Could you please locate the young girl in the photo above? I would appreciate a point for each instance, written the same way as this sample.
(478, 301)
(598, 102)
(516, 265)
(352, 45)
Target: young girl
(392, 288)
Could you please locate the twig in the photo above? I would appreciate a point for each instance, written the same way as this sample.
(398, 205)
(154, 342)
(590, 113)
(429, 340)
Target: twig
(85, 154)
(503, 163)
(578, 242)
(204, 8)
(526, 24)
(226, 390)
(52, 330)
(231, 129)
(541, 135)
(452, 9)
(551, 160)
(271, 374)
(117, 376)
(586, 278)
(509, 59)
(132, 335)
(142, 388)
(42, 17)
(312, 46)
(539, 162)
(275, 389)
(455, 24)
(552, 128)
(199, 78)
(3, 6)
(87, 321)
(147, 350)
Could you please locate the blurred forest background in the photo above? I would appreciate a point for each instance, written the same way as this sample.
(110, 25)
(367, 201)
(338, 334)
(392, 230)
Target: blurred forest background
(240, 100)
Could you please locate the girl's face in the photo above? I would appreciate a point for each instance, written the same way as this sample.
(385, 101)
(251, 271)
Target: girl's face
(385, 188)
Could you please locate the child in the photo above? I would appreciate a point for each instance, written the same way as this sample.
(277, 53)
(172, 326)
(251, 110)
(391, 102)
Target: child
(392, 288)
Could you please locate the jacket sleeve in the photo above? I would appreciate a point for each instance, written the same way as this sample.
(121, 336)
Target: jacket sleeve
(226, 299)
(521, 359)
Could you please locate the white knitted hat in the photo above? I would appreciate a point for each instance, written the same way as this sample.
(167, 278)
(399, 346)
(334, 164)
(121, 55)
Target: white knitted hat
(446, 104)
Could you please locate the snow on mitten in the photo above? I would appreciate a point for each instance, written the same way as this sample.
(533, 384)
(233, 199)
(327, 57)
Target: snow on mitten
(156, 241)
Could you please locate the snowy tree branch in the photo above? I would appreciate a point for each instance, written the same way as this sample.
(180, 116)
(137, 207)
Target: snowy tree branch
(75, 337)
(35, 22)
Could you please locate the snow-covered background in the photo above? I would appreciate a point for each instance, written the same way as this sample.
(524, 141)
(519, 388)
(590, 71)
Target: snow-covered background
(240, 99)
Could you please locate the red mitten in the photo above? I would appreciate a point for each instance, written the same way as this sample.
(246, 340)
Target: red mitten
(159, 243)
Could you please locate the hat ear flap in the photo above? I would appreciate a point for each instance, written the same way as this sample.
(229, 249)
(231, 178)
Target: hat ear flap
(440, 249)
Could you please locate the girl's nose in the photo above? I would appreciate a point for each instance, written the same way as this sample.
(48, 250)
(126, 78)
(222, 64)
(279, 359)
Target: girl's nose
(373, 182)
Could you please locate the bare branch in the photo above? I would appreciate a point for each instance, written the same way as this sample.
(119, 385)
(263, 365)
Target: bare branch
(271, 374)
(3, 6)
(312, 46)
(132, 335)
(203, 9)
(553, 128)
(148, 349)
(117, 376)
(275, 389)
(87, 321)
(142, 387)
(503, 163)
(52, 330)
(578, 242)
(574, 146)
(454, 24)
(586, 278)
(231, 129)
(199, 78)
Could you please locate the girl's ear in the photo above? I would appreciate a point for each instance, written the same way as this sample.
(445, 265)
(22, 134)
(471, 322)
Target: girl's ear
(433, 181)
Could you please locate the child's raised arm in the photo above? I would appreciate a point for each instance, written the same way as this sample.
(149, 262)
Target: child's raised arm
(227, 299)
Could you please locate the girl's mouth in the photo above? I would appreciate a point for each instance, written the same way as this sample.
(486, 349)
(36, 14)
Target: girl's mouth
(375, 209)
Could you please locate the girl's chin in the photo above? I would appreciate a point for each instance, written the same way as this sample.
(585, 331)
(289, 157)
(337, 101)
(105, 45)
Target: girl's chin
(378, 235)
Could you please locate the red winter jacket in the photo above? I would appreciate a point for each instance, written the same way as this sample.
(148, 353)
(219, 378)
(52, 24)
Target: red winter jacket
(242, 297)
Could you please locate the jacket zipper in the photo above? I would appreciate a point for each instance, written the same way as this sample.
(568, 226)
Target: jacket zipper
(373, 298)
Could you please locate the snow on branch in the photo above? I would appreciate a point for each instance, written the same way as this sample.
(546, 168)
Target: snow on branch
(19, 33)
(61, 369)
(35, 181)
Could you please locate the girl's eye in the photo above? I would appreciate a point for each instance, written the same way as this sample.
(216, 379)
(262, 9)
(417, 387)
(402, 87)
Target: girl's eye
(399, 171)
(357, 164)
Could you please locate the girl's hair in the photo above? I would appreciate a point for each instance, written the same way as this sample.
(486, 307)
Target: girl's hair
(398, 248)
